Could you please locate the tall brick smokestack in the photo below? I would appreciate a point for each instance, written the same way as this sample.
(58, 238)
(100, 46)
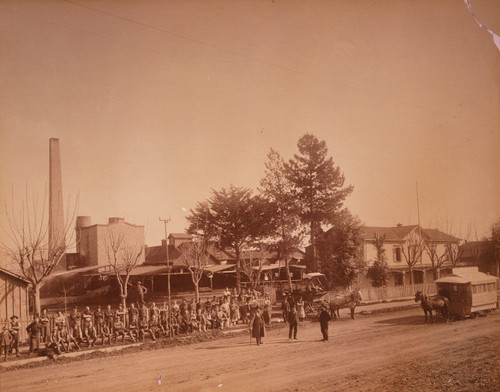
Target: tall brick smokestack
(56, 208)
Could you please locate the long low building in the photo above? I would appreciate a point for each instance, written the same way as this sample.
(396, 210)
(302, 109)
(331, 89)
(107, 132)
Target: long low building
(14, 299)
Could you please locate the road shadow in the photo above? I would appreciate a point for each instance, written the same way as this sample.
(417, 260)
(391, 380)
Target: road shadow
(407, 320)
(266, 343)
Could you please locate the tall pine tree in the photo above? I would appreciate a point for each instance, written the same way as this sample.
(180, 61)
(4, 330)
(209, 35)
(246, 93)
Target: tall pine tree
(317, 187)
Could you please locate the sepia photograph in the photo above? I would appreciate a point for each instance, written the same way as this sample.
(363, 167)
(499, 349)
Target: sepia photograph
(250, 195)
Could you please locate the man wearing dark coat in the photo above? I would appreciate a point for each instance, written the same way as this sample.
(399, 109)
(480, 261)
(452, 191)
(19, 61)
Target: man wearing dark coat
(34, 330)
(285, 308)
(293, 321)
(324, 318)
(257, 329)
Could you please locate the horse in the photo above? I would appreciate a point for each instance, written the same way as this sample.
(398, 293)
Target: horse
(345, 301)
(436, 303)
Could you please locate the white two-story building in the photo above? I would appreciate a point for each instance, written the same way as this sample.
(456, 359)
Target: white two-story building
(414, 243)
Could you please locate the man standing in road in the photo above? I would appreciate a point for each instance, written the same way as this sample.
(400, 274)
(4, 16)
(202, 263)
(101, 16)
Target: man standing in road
(293, 321)
(324, 318)
(257, 328)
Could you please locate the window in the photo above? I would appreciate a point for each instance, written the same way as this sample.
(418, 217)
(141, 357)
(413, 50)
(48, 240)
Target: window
(398, 279)
(418, 277)
(396, 253)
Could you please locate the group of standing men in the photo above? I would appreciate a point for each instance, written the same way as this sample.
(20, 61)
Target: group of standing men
(293, 312)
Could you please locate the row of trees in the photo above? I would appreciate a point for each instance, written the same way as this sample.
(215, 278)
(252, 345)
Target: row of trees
(296, 199)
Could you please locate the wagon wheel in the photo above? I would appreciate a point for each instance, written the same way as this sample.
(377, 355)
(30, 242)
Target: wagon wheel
(312, 309)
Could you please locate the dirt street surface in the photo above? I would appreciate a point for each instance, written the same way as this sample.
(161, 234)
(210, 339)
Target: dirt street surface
(385, 352)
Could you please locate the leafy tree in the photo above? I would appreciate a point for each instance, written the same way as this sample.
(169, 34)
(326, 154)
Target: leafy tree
(339, 250)
(232, 216)
(317, 187)
(283, 215)
(495, 240)
(490, 257)
(379, 272)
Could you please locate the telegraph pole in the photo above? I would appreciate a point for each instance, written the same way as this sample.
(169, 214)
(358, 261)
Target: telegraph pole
(169, 268)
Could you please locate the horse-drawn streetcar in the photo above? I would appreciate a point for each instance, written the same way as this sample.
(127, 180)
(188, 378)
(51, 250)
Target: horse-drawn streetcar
(469, 292)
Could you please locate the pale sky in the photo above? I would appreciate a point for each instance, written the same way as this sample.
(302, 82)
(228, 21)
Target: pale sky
(157, 102)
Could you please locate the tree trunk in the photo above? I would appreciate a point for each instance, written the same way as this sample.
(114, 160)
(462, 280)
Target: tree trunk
(287, 265)
(436, 273)
(314, 263)
(124, 300)
(36, 294)
(196, 293)
(238, 270)
(410, 270)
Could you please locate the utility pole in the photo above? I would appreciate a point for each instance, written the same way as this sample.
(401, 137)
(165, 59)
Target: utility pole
(418, 207)
(169, 269)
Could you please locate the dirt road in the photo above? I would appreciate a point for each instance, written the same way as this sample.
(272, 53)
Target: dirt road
(387, 352)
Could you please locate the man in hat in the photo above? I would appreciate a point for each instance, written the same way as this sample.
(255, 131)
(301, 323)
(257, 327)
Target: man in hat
(35, 330)
(5, 339)
(141, 291)
(14, 332)
(45, 320)
(324, 318)
(98, 320)
(257, 328)
(75, 324)
(293, 322)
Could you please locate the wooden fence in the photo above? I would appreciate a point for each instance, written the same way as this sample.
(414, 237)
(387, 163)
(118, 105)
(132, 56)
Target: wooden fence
(382, 293)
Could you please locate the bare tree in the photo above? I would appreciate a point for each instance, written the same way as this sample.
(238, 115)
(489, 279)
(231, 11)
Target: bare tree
(31, 245)
(454, 251)
(412, 250)
(252, 267)
(196, 257)
(123, 256)
(475, 247)
(436, 255)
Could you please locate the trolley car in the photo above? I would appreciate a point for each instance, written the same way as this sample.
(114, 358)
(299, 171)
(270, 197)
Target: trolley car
(470, 292)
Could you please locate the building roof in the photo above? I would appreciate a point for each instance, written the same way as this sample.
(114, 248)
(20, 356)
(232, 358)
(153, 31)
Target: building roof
(77, 270)
(186, 236)
(158, 255)
(439, 236)
(219, 267)
(14, 275)
(467, 275)
(399, 233)
(472, 249)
